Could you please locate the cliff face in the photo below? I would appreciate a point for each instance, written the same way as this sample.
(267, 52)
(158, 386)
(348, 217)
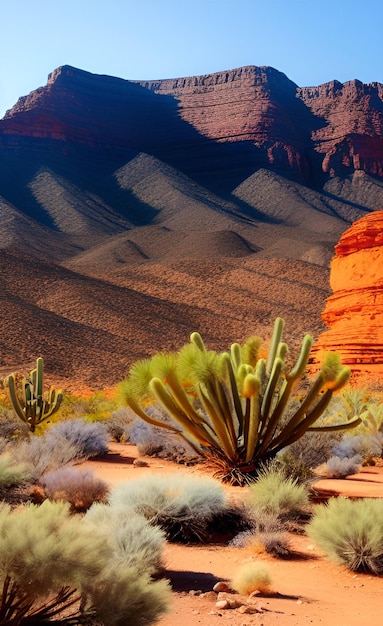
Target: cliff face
(237, 120)
(354, 311)
(350, 126)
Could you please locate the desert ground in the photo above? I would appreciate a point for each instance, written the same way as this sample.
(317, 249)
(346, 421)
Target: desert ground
(309, 588)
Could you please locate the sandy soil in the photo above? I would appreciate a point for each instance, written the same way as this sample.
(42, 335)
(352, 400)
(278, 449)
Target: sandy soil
(310, 589)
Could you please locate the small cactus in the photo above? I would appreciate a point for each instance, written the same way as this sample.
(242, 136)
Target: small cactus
(29, 403)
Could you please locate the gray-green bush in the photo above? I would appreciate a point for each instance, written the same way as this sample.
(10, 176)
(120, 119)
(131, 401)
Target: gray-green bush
(183, 506)
(136, 542)
(90, 438)
(350, 532)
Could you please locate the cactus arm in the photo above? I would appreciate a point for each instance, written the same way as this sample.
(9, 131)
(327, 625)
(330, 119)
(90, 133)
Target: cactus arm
(16, 404)
(221, 395)
(39, 377)
(344, 426)
(236, 356)
(197, 340)
(252, 439)
(182, 399)
(270, 389)
(133, 404)
(275, 340)
(290, 435)
(218, 422)
(162, 395)
(298, 370)
(226, 362)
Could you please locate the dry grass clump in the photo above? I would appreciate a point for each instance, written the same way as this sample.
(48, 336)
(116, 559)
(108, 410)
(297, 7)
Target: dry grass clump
(250, 578)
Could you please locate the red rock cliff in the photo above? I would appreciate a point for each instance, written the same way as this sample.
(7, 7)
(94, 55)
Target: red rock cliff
(354, 312)
(249, 117)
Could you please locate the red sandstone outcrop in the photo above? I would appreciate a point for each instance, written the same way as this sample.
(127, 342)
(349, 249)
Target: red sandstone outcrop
(354, 312)
(251, 116)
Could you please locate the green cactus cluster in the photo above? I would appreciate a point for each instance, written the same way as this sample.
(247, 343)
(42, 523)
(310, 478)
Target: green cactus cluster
(236, 408)
(30, 403)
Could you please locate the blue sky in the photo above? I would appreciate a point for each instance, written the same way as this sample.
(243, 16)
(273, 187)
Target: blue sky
(311, 41)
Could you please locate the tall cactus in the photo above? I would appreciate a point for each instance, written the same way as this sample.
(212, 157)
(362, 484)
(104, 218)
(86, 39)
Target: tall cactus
(29, 403)
(235, 408)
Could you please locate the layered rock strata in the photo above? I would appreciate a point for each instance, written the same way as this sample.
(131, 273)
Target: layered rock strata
(354, 311)
(231, 121)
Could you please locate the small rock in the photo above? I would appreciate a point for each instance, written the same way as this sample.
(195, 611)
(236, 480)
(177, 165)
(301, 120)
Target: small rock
(140, 463)
(195, 592)
(222, 604)
(221, 586)
(209, 595)
(244, 609)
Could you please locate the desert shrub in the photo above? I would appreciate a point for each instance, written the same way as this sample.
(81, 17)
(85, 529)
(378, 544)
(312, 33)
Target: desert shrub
(274, 493)
(125, 597)
(183, 506)
(91, 439)
(11, 472)
(252, 577)
(337, 467)
(350, 532)
(312, 450)
(119, 424)
(44, 454)
(275, 543)
(79, 488)
(266, 534)
(365, 446)
(48, 559)
(136, 542)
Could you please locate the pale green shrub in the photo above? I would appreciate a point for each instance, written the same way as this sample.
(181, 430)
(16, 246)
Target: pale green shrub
(134, 540)
(274, 493)
(11, 472)
(125, 597)
(183, 506)
(50, 558)
(350, 532)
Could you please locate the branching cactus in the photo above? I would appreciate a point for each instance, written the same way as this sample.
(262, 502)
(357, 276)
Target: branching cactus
(30, 403)
(236, 408)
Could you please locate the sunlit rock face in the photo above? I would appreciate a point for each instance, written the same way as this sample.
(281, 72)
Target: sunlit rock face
(354, 311)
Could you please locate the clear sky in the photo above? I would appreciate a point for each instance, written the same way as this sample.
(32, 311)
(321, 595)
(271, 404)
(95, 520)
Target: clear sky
(311, 41)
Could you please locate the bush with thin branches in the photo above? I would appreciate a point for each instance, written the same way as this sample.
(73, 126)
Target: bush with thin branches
(45, 454)
(90, 438)
(350, 532)
(81, 488)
